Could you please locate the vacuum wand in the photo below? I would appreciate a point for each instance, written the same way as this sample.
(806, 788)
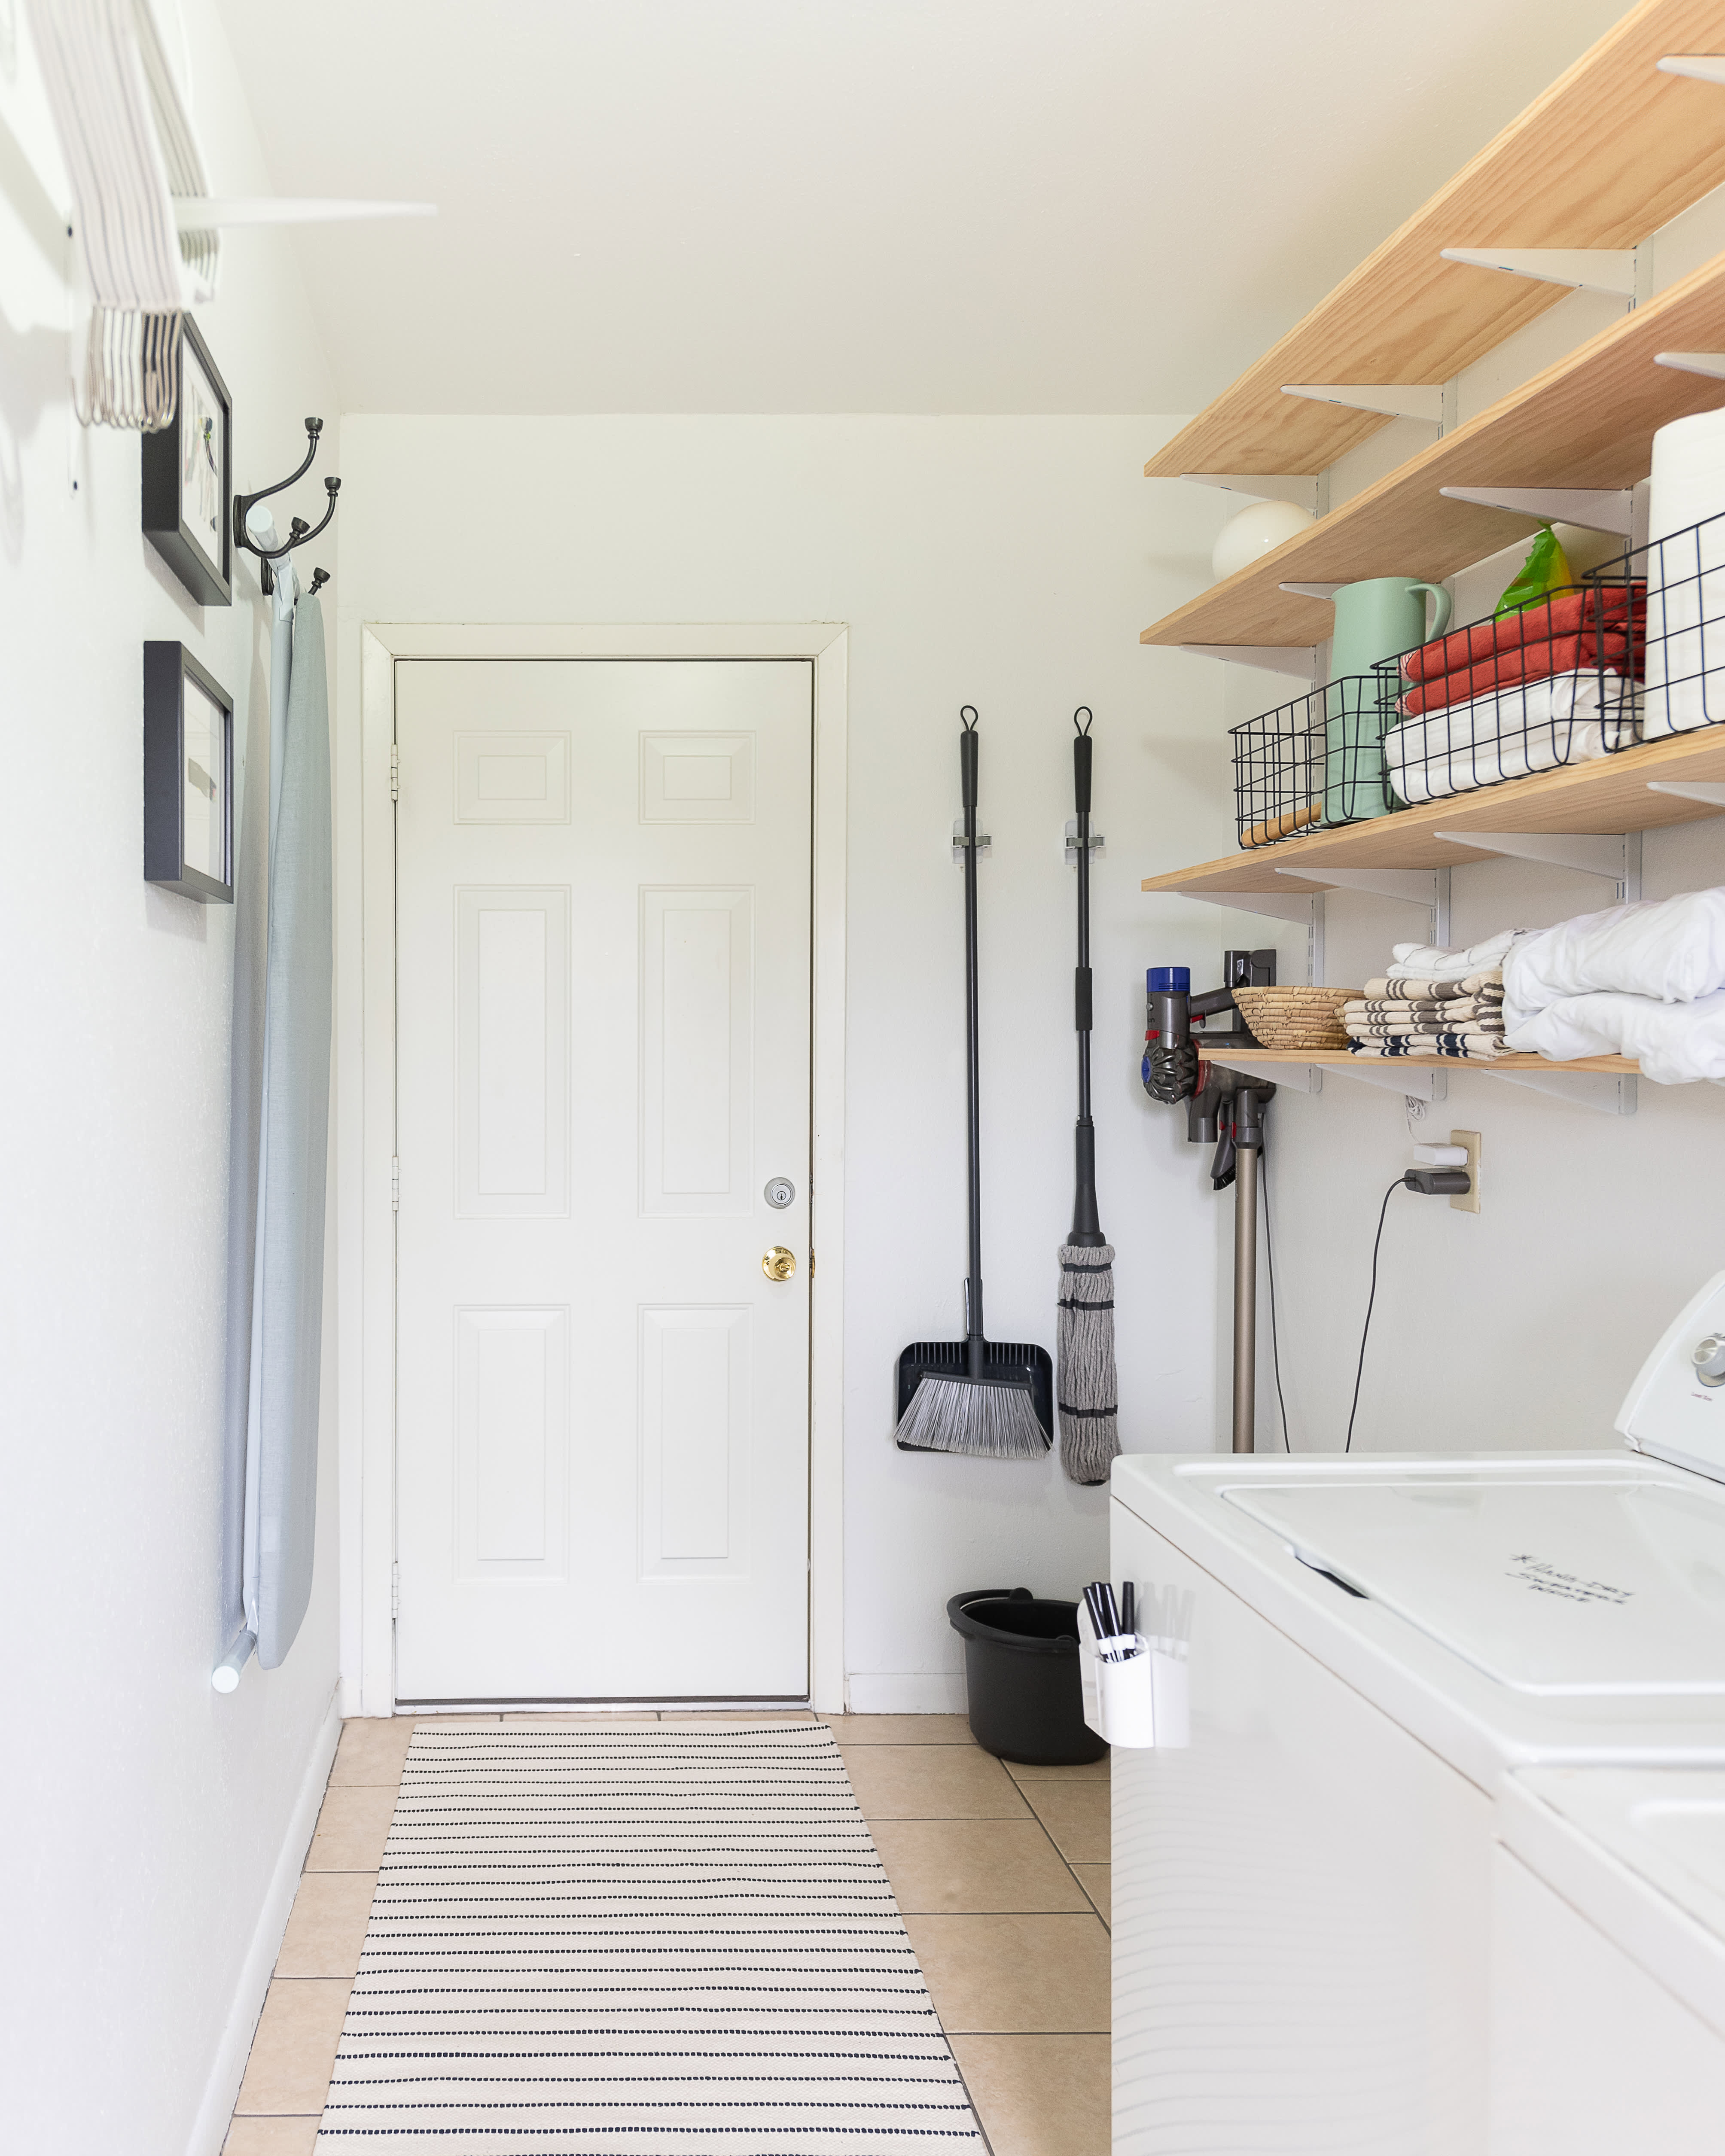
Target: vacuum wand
(1248, 1146)
(1225, 1107)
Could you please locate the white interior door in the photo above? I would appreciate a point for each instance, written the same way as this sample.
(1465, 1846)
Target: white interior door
(602, 1025)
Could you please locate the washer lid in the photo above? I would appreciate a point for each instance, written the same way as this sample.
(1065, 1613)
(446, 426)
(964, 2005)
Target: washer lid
(1589, 1588)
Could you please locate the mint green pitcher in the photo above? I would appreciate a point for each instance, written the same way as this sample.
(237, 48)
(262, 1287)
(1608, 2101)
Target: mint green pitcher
(1375, 619)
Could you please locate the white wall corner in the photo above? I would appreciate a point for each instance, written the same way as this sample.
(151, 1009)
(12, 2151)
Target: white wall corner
(918, 1692)
(228, 2069)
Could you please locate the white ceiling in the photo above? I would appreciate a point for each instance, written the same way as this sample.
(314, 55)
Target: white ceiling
(860, 205)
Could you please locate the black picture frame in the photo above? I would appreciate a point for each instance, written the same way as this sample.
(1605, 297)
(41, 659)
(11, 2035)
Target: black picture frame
(188, 759)
(190, 529)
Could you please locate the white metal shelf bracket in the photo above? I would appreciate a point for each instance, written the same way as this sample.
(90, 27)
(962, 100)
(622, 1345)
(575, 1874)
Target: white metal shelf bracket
(1616, 855)
(1691, 789)
(1693, 363)
(1390, 1075)
(1594, 508)
(1297, 1077)
(1606, 1093)
(1299, 659)
(1297, 487)
(200, 212)
(1396, 400)
(1280, 906)
(1426, 887)
(1586, 269)
(1699, 67)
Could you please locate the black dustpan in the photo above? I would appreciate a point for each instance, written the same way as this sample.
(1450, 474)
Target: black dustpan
(1004, 1363)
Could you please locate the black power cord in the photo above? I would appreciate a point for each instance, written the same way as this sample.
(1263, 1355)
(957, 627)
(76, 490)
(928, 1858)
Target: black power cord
(1269, 1256)
(1429, 1182)
(1400, 1184)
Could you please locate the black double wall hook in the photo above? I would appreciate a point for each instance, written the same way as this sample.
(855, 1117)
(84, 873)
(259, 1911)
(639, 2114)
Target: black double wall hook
(299, 531)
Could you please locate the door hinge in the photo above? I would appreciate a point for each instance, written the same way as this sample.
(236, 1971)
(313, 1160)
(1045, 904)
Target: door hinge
(394, 773)
(811, 1264)
(394, 1591)
(395, 1183)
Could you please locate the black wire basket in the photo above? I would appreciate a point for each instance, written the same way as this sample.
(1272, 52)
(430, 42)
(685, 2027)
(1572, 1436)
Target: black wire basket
(1634, 651)
(1314, 761)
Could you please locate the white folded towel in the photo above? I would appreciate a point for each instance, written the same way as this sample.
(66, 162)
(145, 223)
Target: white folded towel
(1676, 1042)
(1424, 961)
(1670, 949)
(1564, 719)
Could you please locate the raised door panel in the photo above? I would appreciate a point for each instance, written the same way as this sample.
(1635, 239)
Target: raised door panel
(697, 1014)
(511, 1442)
(512, 778)
(696, 1409)
(697, 778)
(512, 1052)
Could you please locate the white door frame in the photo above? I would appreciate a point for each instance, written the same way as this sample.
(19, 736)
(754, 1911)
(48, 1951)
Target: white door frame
(365, 1094)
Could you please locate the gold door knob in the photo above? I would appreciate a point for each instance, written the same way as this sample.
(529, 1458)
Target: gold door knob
(778, 1263)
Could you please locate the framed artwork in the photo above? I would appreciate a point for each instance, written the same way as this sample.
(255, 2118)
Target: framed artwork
(188, 776)
(186, 482)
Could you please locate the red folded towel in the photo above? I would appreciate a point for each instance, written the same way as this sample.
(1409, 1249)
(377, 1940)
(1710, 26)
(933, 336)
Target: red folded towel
(1563, 615)
(1507, 669)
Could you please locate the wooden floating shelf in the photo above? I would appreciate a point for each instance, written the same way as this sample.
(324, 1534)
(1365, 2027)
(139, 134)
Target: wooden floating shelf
(1623, 1066)
(1589, 421)
(1608, 794)
(1611, 152)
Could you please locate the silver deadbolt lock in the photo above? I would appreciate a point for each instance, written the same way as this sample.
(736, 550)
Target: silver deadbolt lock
(780, 1192)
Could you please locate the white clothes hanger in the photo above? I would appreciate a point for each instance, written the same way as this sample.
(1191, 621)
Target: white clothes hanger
(146, 227)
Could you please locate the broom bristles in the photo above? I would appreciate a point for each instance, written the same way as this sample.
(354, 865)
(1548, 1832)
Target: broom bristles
(1090, 1437)
(975, 1415)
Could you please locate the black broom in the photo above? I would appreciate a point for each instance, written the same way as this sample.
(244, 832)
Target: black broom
(991, 1398)
(1085, 1333)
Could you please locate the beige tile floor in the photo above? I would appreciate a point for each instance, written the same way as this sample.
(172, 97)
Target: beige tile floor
(1002, 1874)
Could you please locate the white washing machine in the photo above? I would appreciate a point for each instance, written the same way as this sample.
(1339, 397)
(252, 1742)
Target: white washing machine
(1607, 1963)
(1303, 1894)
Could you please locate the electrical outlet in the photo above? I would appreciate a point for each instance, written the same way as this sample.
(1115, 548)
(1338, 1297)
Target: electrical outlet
(1469, 1202)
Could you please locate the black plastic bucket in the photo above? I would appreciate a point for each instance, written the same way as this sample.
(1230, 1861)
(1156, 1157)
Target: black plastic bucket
(1021, 1667)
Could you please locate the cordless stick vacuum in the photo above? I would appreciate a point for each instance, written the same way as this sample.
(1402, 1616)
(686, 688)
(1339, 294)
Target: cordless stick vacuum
(1223, 1108)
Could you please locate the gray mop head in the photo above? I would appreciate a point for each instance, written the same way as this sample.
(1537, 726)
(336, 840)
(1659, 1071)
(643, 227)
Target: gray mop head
(1085, 1346)
(975, 1415)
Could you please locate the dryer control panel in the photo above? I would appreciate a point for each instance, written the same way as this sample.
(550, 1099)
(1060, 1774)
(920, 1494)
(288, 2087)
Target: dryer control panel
(1676, 1408)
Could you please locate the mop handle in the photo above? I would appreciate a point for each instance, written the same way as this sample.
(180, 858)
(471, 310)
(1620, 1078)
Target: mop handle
(1082, 981)
(973, 1049)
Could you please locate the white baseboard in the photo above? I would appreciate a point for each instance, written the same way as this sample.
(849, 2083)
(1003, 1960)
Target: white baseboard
(917, 1693)
(227, 2070)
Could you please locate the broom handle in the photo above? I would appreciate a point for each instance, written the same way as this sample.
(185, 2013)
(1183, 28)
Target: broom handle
(1087, 1228)
(974, 1280)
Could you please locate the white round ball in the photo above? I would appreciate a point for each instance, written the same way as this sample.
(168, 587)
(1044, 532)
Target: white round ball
(1256, 530)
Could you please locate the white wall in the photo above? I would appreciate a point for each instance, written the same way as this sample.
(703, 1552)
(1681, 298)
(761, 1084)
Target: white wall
(1521, 1328)
(1005, 563)
(147, 1820)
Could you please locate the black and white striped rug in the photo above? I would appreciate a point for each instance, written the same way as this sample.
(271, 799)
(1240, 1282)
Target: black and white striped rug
(638, 1940)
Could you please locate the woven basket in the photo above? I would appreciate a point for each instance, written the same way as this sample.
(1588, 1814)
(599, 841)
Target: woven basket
(1295, 1017)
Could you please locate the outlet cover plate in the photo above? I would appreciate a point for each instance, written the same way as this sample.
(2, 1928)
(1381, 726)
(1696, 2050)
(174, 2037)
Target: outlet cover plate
(1469, 1200)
